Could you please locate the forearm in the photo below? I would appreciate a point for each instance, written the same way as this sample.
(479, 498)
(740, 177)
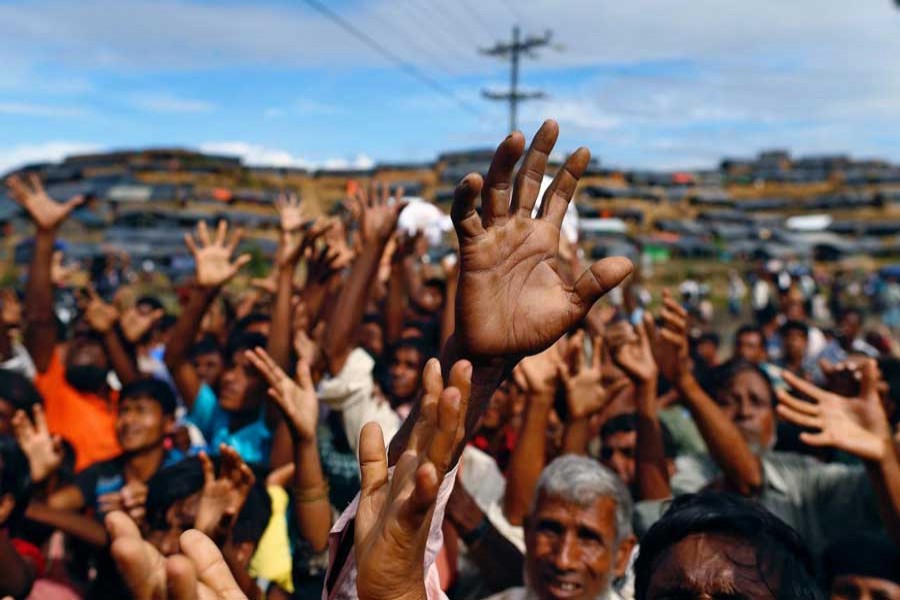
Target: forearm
(313, 297)
(395, 306)
(885, 478)
(121, 360)
(40, 320)
(237, 564)
(80, 526)
(279, 342)
(742, 469)
(349, 309)
(651, 468)
(183, 334)
(528, 458)
(312, 505)
(576, 436)
(16, 575)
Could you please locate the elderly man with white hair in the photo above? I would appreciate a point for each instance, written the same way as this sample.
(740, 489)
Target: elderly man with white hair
(577, 535)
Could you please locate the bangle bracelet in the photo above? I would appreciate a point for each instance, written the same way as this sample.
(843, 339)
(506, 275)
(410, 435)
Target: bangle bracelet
(309, 495)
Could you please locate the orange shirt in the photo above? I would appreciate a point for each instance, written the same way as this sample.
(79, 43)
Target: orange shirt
(87, 421)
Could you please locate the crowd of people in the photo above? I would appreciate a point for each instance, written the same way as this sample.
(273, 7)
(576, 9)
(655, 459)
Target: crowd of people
(366, 423)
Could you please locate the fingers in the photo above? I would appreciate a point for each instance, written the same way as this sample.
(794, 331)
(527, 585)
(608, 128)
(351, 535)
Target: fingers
(556, 199)
(373, 467)
(181, 578)
(74, 202)
(221, 232)
(210, 564)
(869, 383)
(465, 218)
(443, 443)
(433, 383)
(804, 387)
(495, 195)
(601, 277)
(798, 418)
(209, 471)
(191, 246)
(241, 261)
(203, 233)
(304, 377)
(235, 241)
(531, 173)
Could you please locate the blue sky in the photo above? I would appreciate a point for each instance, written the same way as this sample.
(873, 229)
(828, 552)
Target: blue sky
(656, 84)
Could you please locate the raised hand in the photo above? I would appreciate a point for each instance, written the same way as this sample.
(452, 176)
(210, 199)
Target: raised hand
(539, 374)
(45, 212)
(135, 324)
(670, 343)
(856, 425)
(222, 497)
(44, 451)
(198, 573)
(584, 391)
(378, 216)
(133, 497)
(395, 513)
(291, 212)
(214, 266)
(632, 352)
(297, 400)
(512, 300)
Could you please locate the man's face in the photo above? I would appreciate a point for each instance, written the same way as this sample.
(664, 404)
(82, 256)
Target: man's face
(795, 344)
(617, 454)
(850, 326)
(241, 386)
(708, 352)
(853, 587)
(371, 338)
(747, 401)
(710, 566)
(404, 373)
(750, 347)
(209, 368)
(141, 424)
(571, 551)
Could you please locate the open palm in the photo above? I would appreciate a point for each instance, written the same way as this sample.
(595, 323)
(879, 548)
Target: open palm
(512, 300)
(856, 425)
(213, 257)
(46, 212)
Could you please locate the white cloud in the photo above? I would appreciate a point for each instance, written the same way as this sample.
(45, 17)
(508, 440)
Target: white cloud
(18, 156)
(27, 109)
(166, 102)
(264, 156)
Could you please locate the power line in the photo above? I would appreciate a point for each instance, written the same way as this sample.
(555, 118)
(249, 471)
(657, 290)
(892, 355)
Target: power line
(438, 23)
(471, 10)
(458, 24)
(387, 53)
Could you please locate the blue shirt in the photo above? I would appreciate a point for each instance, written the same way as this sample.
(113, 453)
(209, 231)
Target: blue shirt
(253, 442)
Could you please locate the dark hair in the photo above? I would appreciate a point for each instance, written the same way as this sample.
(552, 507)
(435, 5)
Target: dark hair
(15, 477)
(747, 329)
(372, 318)
(18, 391)
(206, 345)
(846, 312)
(794, 325)
(864, 554)
(185, 478)
(417, 344)
(711, 337)
(781, 554)
(243, 340)
(251, 319)
(627, 422)
(152, 388)
(718, 378)
(167, 322)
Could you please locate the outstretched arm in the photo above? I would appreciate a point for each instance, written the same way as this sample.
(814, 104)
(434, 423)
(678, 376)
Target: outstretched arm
(47, 216)
(214, 269)
(511, 301)
(742, 469)
(858, 426)
(634, 355)
(377, 224)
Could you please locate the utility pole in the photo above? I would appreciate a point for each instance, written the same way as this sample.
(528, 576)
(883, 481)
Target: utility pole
(513, 50)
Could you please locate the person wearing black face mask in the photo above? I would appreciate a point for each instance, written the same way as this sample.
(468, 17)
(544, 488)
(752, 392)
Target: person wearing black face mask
(79, 406)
